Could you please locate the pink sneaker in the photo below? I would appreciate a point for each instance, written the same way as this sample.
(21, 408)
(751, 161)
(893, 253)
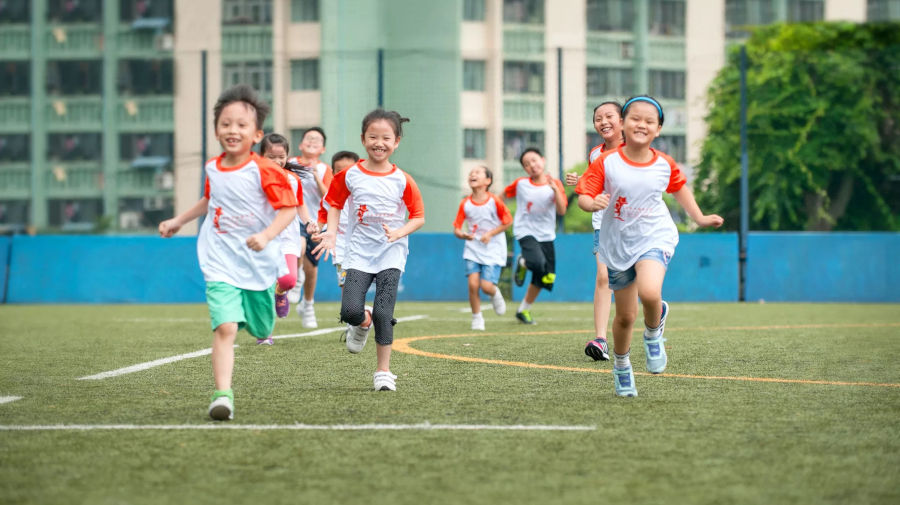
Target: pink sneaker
(282, 305)
(265, 341)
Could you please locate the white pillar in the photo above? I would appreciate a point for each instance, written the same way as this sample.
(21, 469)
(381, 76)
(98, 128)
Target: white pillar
(705, 48)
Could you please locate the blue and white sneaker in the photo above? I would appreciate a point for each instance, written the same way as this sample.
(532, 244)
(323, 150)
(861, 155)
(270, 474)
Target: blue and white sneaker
(655, 348)
(624, 380)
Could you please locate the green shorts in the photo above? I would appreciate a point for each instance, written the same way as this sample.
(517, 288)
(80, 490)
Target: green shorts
(253, 310)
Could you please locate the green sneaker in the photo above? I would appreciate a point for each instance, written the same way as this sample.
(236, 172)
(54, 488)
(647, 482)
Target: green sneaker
(525, 317)
(519, 272)
(222, 406)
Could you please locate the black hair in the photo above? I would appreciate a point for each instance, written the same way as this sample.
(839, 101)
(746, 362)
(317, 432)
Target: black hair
(242, 93)
(617, 105)
(316, 129)
(342, 155)
(529, 150)
(488, 173)
(648, 99)
(390, 116)
(274, 139)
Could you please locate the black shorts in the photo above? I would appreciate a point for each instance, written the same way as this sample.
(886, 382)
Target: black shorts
(310, 245)
(540, 258)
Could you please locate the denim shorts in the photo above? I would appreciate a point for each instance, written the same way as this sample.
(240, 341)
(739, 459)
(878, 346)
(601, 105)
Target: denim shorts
(596, 241)
(621, 280)
(490, 273)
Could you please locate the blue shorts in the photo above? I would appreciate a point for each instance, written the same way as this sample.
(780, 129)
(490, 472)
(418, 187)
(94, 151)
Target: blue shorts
(490, 273)
(596, 241)
(310, 245)
(621, 280)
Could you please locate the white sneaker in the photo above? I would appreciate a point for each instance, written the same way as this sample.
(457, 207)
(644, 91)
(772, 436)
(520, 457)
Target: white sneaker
(356, 336)
(478, 322)
(294, 294)
(384, 381)
(221, 409)
(307, 312)
(499, 303)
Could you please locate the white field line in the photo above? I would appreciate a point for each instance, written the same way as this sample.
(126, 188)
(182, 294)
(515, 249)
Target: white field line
(8, 399)
(204, 352)
(299, 427)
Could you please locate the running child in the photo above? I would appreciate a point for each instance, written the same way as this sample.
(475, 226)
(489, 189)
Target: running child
(485, 249)
(341, 161)
(247, 201)
(638, 236)
(275, 148)
(608, 124)
(316, 179)
(539, 199)
(379, 195)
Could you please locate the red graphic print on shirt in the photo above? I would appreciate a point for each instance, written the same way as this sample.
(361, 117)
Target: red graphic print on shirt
(620, 202)
(360, 212)
(217, 215)
(528, 207)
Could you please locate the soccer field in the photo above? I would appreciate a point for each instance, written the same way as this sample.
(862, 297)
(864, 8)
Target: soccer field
(761, 403)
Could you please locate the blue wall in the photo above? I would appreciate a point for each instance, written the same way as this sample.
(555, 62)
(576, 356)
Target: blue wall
(5, 243)
(860, 267)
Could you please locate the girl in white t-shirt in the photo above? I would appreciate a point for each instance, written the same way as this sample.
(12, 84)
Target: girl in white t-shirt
(638, 236)
(380, 195)
(485, 249)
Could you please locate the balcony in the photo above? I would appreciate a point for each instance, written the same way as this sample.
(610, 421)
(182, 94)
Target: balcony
(523, 111)
(15, 115)
(15, 180)
(15, 42)
(146, 113)
(609, 48)
(151, 44)
(523, 42)
(245, 42)
(667, 53)
(74, 114)
(135, 180)
(74, 41)
(77, 179)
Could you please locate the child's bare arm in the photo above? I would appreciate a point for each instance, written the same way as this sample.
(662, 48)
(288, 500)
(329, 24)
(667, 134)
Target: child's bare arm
(685, 198)
(283, 218)
(412, 225)
(463, 235)
(496, 231)
(170, 227)
(327, 238)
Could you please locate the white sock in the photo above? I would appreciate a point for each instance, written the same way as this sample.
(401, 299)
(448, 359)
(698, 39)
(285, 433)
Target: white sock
(524, 306)
(622, 361)
(476, 315)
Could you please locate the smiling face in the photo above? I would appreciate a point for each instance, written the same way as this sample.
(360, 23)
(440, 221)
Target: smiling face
(478, 178)
(608, 123)
(236, 131)
(312, 145)
(380, 140)
(533, 163)
(277, 153)
(641, 124)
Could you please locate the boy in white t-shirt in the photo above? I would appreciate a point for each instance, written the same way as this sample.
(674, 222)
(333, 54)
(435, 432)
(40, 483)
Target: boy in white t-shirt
(485, 250)
(637, 236)
(539, 199)
(247, 201)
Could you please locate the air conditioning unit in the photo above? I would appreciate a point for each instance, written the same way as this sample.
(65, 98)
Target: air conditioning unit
(164, 42)
(626, 50)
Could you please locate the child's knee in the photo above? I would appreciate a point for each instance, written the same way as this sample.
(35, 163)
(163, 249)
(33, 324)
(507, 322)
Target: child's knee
(353, 316)
(287, 282)
(625, 318)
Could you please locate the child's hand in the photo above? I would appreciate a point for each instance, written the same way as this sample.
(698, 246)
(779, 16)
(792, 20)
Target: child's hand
(714, 220)
(312, 228)
(326, 242)
(168, 228)
(257, 241)
(572, 178)
(485, 239)
(601, 201)
(392, 235)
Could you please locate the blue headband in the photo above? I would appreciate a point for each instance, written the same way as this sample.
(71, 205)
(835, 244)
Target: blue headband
(643, 99)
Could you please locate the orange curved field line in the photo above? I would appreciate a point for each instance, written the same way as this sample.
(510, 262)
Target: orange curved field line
(402, 345)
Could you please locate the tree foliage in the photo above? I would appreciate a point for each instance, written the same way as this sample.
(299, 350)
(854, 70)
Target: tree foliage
(823, 123)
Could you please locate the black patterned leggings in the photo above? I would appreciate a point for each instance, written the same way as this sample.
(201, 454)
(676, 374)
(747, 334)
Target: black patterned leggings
(353, 301)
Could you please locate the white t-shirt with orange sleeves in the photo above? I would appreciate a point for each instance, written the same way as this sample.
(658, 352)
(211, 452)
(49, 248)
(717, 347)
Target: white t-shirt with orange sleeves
(484, 217)
(637, 219)
(597, 215)
(535, 209)
(290, 237)
(310, 188)
(341, 237)
(378, 199)
(243, 200)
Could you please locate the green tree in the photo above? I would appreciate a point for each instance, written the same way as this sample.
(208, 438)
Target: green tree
(823, 123)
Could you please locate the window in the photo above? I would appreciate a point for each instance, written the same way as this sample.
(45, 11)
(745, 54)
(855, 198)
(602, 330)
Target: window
(516, 141)
(473, 10)
(15, 78)
(15, 147)
(246, 12)
(806, 10)
(14, 212)
(255, 73)
(667, 17)
(131, 10)
(742, 13)
(304, 74)
(145, 213)
(673, 145)
(523, 11)
(74, 147)
(610, 15)
(883, 10)
(145, 145)
(523, 77)
(473, 75)
(304, 11)
(78, 214)
(604, 82)
(146, 77)
(15, 12)
(474, 144)
(667, 84)
(75, 77)
(69, 11)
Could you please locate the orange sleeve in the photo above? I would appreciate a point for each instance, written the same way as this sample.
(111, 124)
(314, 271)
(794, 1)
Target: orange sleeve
(676, 177)
(510, 190)
(460, 214)
(327, 178)
(299, 187)
(337, 191)
(275, 185)
(591, 183)
(206, 188)
(322, 215)
(412, 197)
(502, 210)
